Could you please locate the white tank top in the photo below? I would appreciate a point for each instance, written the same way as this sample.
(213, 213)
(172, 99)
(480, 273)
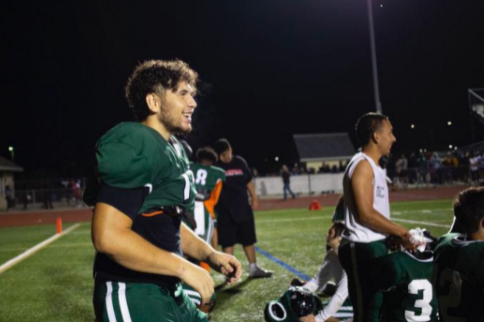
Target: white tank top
(354, 231)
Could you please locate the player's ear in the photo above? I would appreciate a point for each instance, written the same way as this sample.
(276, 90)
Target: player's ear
(375, 137)
(153, 101)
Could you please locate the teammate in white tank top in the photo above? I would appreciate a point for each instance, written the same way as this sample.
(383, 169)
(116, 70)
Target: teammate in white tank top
(367, 209)
(367, 215)
(355, 231)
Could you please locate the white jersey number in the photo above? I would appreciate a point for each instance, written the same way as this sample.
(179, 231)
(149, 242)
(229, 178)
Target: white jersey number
(186, 190)
(201, 178)
(413, 288)
(453, 299)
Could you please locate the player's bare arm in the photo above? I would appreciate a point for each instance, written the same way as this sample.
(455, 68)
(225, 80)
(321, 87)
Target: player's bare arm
(254, 202)
(195, 247)
(362, 184)
(308, 318)
(112, 235)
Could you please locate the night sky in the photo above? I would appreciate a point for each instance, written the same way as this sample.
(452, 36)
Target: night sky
(269, 69)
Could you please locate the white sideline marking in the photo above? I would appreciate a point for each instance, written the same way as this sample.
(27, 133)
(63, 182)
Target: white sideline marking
(420, 222)
(291, 219)
(34, 249)
(397, 213)
(422, 211)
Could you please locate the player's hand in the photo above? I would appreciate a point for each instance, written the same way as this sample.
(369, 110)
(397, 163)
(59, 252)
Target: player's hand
(332, 319)
(227, 265)
(408, 242)
(331, 233)
(334, 243)
(254, 203)
(200, 280)
(308, 318)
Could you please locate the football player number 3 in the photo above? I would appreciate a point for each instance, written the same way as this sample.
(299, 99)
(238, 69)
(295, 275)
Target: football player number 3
(424, 304)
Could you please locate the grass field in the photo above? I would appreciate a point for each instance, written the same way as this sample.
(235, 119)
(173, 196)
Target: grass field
(55, 283)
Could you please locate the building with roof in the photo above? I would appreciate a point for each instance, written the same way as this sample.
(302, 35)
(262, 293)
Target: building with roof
(330, 149)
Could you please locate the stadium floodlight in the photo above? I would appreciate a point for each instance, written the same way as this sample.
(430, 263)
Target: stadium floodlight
(12, 153)
(450, 146)
(412, 126)
(277, 158)
(449, 123)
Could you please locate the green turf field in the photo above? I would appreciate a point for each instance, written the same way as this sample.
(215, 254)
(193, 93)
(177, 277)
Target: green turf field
(55, 284)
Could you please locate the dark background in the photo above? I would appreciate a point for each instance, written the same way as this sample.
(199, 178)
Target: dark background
(269, 69)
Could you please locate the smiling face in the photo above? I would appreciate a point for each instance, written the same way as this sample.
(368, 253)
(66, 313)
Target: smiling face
(385, 138)
(176, 109)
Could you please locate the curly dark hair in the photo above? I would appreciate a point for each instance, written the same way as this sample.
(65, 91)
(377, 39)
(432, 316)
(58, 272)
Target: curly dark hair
(207, 153)
(469, 208)
(156, 76)
(367, 125)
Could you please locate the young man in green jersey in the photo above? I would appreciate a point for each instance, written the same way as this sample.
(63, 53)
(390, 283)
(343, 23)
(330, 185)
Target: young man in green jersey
(208, 182)
(458, 276)
(144, 189)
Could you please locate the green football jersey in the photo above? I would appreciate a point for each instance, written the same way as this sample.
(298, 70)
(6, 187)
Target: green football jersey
(132, 155)
(206, 177)
(406, 282)
(459, 278)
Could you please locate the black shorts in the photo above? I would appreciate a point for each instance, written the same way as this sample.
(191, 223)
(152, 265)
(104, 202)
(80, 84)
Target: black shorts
(230, 233)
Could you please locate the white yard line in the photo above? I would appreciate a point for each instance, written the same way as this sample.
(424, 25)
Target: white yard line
(398, 213)
(34, 249)
(292, 219)
(421, 211)
(424, 223)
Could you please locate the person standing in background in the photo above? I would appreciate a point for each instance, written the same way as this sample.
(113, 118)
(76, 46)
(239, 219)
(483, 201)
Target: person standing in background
(236, 217)
(286, 180)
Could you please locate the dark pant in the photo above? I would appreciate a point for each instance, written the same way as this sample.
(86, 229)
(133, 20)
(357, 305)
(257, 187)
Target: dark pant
(357, 260)
(287, 188)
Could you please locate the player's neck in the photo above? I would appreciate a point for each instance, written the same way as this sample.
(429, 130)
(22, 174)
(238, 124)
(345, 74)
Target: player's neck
(479, 235)
(152, 121)
(372, 152)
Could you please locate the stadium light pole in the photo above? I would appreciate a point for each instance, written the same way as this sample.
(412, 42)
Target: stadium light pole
(12, 153)
(373, 57)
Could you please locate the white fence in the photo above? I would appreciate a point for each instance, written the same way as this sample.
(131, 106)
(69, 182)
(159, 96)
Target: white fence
(301, 184)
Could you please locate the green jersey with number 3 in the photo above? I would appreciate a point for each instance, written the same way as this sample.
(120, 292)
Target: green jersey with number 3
(459, 278)
(406, 282)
